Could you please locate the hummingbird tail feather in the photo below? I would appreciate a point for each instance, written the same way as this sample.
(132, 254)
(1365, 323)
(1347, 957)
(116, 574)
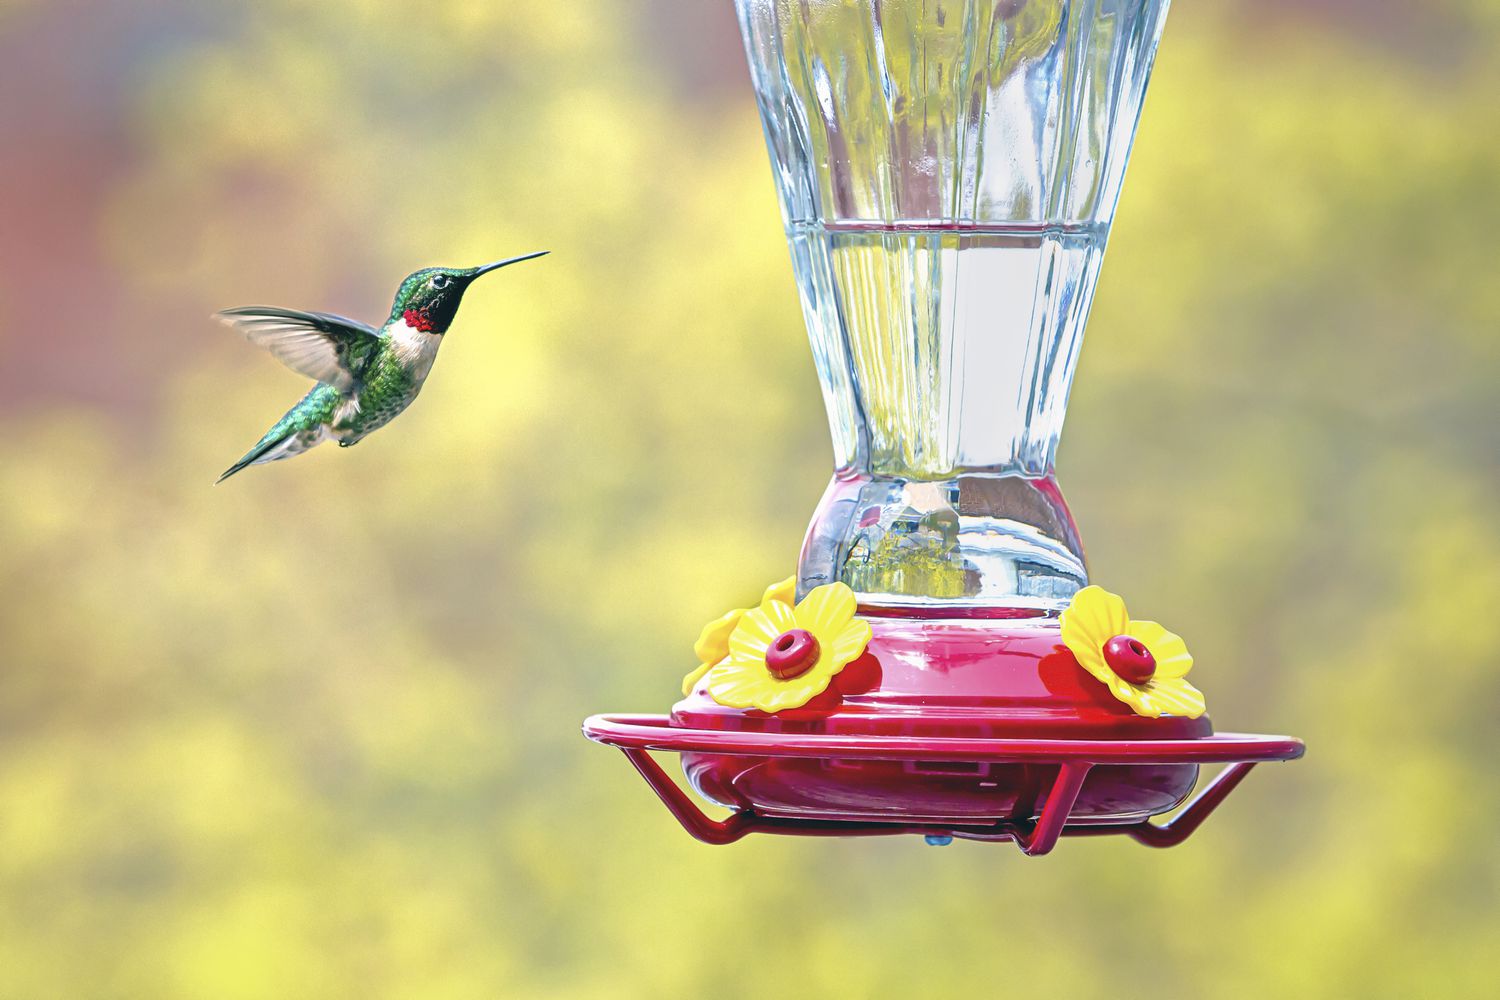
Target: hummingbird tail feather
(293, 442)
(303, 427)
(254, 456)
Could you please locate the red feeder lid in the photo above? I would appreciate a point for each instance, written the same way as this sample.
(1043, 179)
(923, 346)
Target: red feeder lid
(974, 677)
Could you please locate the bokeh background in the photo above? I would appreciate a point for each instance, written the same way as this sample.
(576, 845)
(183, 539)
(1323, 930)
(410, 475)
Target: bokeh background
(315, 732)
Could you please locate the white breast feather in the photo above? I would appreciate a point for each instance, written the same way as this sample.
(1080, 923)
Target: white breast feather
(414, 348)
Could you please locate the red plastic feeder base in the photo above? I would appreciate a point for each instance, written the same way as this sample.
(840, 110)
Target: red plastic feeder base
(1065, 765)
(982, 729)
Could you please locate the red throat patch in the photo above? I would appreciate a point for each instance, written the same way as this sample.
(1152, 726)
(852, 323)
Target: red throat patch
(417, 320)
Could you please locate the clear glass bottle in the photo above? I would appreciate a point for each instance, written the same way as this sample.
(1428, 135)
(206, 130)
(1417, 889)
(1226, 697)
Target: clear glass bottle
(947, 173)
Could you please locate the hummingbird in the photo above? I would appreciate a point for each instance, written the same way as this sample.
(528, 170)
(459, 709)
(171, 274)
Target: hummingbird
(365, 376)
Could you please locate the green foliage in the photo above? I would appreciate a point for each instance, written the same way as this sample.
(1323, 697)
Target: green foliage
(315, 732)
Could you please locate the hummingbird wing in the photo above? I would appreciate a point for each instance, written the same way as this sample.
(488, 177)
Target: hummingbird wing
(322, 346)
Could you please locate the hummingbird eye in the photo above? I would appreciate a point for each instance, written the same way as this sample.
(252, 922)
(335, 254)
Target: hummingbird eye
(439, 281)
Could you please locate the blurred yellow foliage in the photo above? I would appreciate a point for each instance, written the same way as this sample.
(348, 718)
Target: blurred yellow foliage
(315, 732)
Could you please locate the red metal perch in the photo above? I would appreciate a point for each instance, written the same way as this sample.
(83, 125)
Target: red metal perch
(637, 735)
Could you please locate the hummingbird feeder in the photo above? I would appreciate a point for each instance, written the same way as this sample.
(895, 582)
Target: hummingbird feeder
(940, 664)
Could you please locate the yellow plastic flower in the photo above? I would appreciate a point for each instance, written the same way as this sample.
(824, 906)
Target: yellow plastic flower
(713, 642)
(693, 677)
(1141, 663)
(782, 657)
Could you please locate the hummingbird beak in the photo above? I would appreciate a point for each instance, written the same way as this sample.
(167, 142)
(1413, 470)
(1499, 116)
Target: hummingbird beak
(487, 268)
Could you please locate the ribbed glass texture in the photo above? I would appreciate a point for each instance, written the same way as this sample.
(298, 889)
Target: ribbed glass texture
(947, 171)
